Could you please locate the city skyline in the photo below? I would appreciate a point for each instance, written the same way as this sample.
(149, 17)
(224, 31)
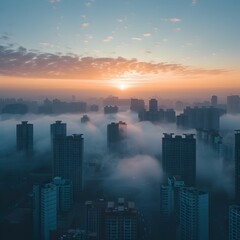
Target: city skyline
(93, 47)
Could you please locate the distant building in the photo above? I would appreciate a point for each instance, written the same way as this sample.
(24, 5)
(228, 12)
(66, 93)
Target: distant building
(237, 166)
(194, 214)
(214, 101)
(153, 105)
(110, 109)
(85, 119)
(137, 105)
(234, 222)
(94, 108)
(211, 139)
(207, 118)
(44, 211)
(25, 137)
(68, 160)
(233, 104)
(116, 136)
(179, 157)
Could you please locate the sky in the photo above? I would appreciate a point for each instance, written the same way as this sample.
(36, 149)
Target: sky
(128, 47)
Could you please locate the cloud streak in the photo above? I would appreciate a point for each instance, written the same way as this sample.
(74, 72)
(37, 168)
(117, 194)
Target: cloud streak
(21, 62)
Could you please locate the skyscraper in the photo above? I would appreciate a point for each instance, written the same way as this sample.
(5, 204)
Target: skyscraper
(194, 214)
(58, 129)
(153, 105)
(233, 104)
(25, 137)
(137, 105)
(68, 160)
(179, 157)
(44, 210)
(237, 166)
(95, 218)
(121, 221)
(116, 134)
(234, 222)
(64, 194)
(169, 198)
(214, 101)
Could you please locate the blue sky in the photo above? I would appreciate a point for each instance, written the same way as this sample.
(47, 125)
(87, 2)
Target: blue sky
(152, 45)
(201, 33)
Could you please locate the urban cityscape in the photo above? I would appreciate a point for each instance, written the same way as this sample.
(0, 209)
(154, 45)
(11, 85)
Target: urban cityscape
(119, 120)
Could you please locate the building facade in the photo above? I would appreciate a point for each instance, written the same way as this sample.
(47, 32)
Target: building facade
(179, 157)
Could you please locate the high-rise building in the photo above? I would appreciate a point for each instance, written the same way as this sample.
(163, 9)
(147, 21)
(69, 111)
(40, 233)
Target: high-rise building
(233, 104)
(137, 105)
(214, 101)
(169, 198)
(194, 214)
(207, 118)
(234, 222)
(169, 207)
(153, 105)
(68, 160)
(25, 137)
(237, 166)
(58, 129)
(116, 134)
(121, 221)
(179, 157)
(64, 194)
(95, 218)
(44, 211)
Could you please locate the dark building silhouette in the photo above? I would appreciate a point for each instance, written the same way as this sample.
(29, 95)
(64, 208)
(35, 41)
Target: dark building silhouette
(112, 220)
(25, 137)
(58, 129)
(179, 157)
(94, 108)
(153, 105)
(85, 119)
(237, 166)
(207, 118)
(110, 109)
(233, 104)
(68, 160)
(137, 105)
(95, 218)
(121, 221)
(214, 101)
(160, 116)
(116, 134)
(15, 108)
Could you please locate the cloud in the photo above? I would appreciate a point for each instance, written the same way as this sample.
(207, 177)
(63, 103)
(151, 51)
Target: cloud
(89, 3)
(108, 39)
(85, 25)
(194, 2)
(24, 63)
(54, 1)
(147, 34)
(136, 39)
(173, 20)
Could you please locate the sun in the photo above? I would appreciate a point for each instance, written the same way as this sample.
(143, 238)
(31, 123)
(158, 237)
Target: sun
(122, 86)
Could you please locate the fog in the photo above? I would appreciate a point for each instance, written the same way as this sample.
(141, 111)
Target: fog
(140, 165)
